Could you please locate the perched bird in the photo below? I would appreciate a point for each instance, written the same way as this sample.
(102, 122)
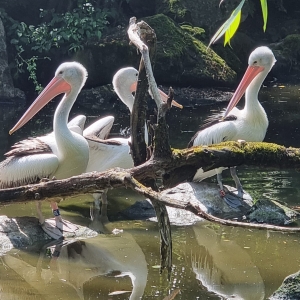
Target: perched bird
(249, 124)
(115, 152)
(62, 154)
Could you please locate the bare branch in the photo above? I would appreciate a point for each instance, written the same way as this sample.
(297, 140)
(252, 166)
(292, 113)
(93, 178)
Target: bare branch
(134, 33)
(116, 178)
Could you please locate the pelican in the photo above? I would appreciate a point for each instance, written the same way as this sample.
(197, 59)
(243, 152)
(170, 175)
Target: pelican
(63, 154)
(115, 152)
(249, 124)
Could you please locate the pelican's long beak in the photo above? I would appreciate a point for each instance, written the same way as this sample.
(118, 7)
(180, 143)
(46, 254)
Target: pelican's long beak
(250, 74)
(55, 87)
(163, 96)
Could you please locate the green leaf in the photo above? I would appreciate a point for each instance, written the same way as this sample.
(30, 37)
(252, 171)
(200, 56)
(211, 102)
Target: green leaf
(226, 25)
(264, 9)
(232, 28)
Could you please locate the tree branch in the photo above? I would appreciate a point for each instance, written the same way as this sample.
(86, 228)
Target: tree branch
(141, 34)
(116, 178)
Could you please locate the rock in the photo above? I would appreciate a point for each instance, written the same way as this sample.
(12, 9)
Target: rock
(103, 98)
(23, 232)
(205, 13)
(181, 59)
(7, 90)
(204, 194)
(271, 212)
(184, 60)
(289, 290)
(11, 99)
(287, 53)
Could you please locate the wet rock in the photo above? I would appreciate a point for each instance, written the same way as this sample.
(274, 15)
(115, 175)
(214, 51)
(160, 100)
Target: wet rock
(23, 232)
(204, 194)
(289, 290)
(271, 212)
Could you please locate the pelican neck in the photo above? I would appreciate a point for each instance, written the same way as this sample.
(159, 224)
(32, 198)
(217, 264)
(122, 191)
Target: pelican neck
(251, 94)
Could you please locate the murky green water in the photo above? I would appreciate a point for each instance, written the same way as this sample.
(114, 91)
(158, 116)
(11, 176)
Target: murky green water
(209, 261)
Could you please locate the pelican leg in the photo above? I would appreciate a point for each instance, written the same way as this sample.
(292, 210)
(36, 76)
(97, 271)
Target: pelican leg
(56, 226)
(237, 181)
(220, 183)
(51, 230)
(61, 224)
(230, 199)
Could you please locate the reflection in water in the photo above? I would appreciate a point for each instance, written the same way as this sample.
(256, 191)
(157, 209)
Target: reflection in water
(224, 267)
(64, 273)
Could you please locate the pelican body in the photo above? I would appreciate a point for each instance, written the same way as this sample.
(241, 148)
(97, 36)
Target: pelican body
(63, 154)
(249, 124)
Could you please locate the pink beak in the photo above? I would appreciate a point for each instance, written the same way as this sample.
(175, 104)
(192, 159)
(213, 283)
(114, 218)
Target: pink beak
(163, 96)
(250, 74)
(55, 87)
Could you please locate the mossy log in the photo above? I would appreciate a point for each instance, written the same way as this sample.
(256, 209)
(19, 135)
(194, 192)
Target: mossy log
(209, 157)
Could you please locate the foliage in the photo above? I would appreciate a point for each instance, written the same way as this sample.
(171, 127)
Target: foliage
(69, 31)
(230, 26)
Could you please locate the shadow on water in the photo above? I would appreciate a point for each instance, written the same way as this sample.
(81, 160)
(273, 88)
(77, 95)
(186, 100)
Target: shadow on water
(209, 261)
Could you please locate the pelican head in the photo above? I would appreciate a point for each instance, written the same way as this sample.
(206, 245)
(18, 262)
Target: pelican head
(73, 73)
(261, 61)
(262, 57)
(69, 76)
(125, 82)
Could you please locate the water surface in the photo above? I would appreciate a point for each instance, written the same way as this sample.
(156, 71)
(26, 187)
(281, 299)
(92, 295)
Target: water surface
(209, 261)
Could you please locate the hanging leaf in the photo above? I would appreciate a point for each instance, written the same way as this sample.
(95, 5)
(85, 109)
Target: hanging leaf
(227, 24)
(264, 9)
(233, 28)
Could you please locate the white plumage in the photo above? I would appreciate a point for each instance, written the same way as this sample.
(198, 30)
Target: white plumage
(62, 154)
(250, 123)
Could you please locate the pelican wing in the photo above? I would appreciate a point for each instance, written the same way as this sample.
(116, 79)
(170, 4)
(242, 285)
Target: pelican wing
(100, 129)
(22, 170)
(77, 124)
(28, 147)
(106, 154)
(215, 132)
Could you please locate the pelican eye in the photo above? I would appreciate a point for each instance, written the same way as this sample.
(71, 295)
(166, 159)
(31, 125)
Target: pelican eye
(255, 62)
(136, 74)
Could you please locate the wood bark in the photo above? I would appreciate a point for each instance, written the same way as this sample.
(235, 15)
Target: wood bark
(144, 38)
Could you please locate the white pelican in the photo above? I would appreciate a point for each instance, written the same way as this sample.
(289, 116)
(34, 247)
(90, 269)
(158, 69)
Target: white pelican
(64, 156)
(115, 152)
(249, 124)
